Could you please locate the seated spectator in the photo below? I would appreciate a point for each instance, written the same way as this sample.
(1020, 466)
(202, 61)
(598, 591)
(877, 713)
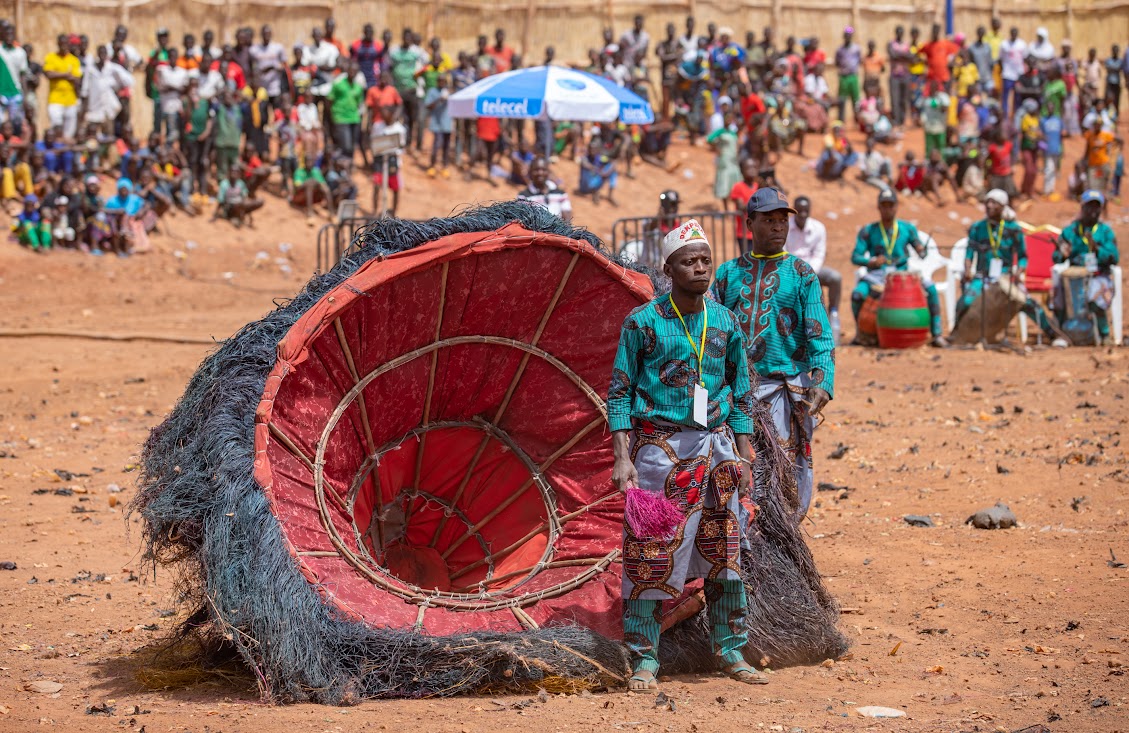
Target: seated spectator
(309, 189)
(15, 175)
(910, 175)
(544, 192)
(340, 179)
(837, 155)
(129, 219)
(64, 211)
(816, 88)
(234, 202)
(596, 171)
(521, 158)
(158, 201)
(57, 156)
(875, 169)
(174, 180)
(937, 174)
(30, 228)
(970, 173)
(255, 171)
(654, 144)
(96, 229)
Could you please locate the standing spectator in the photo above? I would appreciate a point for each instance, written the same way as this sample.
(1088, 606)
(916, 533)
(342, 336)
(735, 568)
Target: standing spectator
(12, 72)
(192, 54)
(1067, 67)
(483, 61)
(406, 59)
(322, 57)
(669, 51)
(331, 37)
(269, 58)
(813, 54)
(390, 162)
(1013, 54)
(286, 128)
(157, 56)
(848, 58)
(1054, 91)
(198, 129)
(229, 133)
(815, 86)
(439, 124)
(64, 73)
(1113, 69)
(462, 77)
(935, 120)
(1042, 50)
(999, 164)
(740, 194)
(1051, 127)
(255, 105)
(873, 64)
(635, 43)
(807, 240)
(309, 129)
(1099, 158)
(938, 53)
(1030, 135)
(502, 54)
(900, 57)
(981, 54)
(101, 86)
(345, 98)
(544, 193)
(916, 71)
(966, 73)
(171, 81)
(241, 51)
(209, 44)
(367, 52)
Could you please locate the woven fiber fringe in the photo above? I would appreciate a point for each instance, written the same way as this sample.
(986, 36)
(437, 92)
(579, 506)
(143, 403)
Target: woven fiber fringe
(205, 516)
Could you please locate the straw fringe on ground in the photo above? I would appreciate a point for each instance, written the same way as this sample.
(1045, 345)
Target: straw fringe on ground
(205, 516)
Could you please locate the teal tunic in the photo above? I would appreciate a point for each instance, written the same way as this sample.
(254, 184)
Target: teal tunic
(871, 243)
(1011, 246)
(656, 369)
(779, 305)
(1099, 239)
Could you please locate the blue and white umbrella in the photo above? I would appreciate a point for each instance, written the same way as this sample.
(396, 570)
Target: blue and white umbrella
(550, 92)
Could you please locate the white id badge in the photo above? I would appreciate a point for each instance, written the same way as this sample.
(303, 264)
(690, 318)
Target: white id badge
(1091, 262)
(995, 268)
(701, 397)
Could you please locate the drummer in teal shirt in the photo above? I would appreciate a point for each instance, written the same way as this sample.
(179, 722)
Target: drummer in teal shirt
(885, 245)
(996, 238)
(1089, 242)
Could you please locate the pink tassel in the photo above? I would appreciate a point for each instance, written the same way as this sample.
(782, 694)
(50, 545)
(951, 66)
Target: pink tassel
(650, 514)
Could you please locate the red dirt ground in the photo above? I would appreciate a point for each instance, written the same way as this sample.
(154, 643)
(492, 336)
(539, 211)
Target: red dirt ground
(964, 630)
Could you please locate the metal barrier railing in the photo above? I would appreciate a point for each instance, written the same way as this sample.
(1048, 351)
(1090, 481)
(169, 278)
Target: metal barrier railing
(336, 238)
(641, 237)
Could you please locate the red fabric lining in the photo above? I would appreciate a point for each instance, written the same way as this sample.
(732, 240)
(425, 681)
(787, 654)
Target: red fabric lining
(499, 284)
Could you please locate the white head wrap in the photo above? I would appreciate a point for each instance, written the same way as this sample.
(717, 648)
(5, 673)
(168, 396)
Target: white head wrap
(689, 233)
(998, 195)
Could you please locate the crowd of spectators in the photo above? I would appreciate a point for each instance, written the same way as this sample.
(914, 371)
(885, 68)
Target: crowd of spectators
(232, 123)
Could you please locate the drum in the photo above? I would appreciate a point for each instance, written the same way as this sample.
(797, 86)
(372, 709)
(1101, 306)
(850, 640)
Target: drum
(868, 319)
(903, 315)
(1071, 305)
(996, 305)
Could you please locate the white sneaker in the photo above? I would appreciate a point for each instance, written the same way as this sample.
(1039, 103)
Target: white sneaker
(1060, 343)
(833, 316)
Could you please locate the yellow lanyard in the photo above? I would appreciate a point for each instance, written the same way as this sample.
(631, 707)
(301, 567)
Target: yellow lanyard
(889, 242)
(776, 256)
(1087, 241)
(699, 351)
(999, 240)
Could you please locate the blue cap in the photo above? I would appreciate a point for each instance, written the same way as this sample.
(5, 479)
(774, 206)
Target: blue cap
(1093, 195)
(31, 198)
(767, 199)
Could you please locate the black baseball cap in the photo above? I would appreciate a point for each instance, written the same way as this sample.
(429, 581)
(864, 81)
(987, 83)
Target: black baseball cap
(767, 199)
(887, 196)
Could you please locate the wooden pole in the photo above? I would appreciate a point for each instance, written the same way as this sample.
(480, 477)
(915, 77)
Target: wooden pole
(527, 30)
(776, 14)
(20, 19)
(855, 15)
(432, 17)
(123, 12)
(609, 13)
(1069, 19)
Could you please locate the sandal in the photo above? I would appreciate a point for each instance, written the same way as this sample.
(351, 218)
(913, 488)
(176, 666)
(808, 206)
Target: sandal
(642, 681)
(744, 672)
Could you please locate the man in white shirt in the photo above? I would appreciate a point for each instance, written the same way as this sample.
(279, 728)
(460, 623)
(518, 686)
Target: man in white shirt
(14, 59)
(101, 84)
(1013, 54)
(544, 192)
(322, 54)
(807, 239)
(171, 81)
(270, 61)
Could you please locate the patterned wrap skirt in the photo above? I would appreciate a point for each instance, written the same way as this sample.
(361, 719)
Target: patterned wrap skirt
(794, 429)
(699, 471)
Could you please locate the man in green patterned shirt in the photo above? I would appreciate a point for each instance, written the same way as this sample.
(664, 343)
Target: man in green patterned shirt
(1089, 243)
(779, 305)
(680, 411)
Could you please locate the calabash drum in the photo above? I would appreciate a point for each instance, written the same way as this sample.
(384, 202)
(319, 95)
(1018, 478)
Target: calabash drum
(903, 316)
(868, 318)
(996, 305)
